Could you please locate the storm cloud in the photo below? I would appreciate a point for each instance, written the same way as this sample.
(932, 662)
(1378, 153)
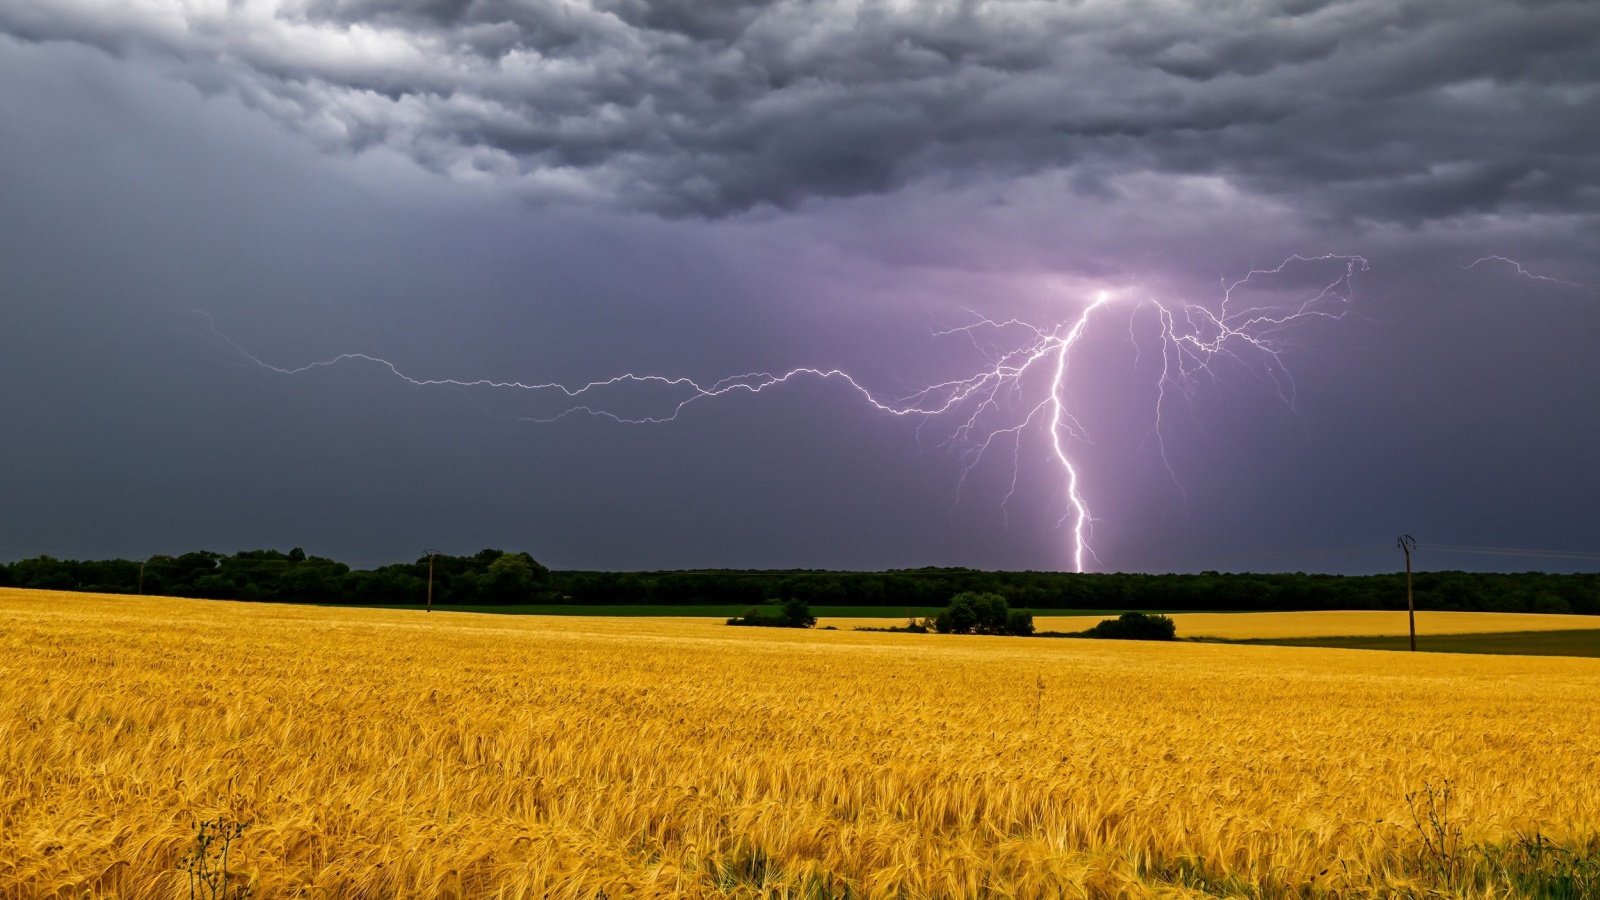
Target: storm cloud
(1394, 111)
(486, 190)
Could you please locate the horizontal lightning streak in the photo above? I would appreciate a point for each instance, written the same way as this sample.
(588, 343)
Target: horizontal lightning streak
(1191, 339)
(1523, 271)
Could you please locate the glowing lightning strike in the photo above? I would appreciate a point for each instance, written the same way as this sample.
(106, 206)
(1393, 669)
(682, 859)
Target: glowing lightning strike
(1080, 510)
(1525, 273)
(1191, 340)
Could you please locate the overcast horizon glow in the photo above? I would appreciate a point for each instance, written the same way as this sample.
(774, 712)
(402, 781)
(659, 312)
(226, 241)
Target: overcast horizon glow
(500, 191)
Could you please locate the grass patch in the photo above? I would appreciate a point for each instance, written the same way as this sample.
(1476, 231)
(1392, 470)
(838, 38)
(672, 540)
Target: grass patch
(1438, 860)
(1585, 642)
(1527, 865)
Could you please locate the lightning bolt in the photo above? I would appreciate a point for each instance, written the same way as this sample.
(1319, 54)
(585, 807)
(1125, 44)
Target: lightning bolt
(1524, 272)
(1023, 386)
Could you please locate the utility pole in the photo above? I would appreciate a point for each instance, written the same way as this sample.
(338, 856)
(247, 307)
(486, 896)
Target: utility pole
(1407, 543)
(431, 555)
(141, 576)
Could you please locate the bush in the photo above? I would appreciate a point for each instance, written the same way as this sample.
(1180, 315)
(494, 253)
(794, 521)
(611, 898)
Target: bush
(797, 614)
(793, 614)
(960, 617)
(1019, 622)
(1133, 626)
(974, 613)
(913, 625)
(992, 612)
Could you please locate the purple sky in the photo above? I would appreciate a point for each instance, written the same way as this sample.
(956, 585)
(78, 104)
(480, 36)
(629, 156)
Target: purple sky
(554, 192)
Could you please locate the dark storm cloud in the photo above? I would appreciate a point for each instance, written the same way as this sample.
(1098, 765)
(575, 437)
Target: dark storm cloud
(260, 162)
(1381, 110)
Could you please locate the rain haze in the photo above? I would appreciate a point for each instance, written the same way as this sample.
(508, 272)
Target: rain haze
(200, 201)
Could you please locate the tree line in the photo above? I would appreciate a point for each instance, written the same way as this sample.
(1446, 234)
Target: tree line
(496, 577)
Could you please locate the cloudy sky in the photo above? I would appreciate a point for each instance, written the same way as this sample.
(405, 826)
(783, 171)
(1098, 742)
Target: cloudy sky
(200, 199)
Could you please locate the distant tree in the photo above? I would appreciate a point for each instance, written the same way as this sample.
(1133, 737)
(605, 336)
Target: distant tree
(1551, 604)
(214, 587)
(992, 612)
(793, 614)
(510, 579)
(44, 573)
(960, 617)
(266, 574)
(307, 582)
(387, 584)
(797, 614)
(628, 589)
(1019, 622)
(971, 612)
(1135, 626)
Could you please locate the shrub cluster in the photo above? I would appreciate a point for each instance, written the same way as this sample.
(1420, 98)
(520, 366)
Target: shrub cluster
(793, 614)
(1135, 626)
(974, 613)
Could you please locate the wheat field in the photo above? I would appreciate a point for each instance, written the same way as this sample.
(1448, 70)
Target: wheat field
(1366, 623)
(381, 753)
(1331, 623)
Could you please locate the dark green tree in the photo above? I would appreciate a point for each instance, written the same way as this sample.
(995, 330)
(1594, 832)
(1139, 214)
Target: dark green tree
(960, 617)
(797, 614)
(972, 612)
(511, 578)
(992, 613)
(1019, 622)
(1135, 626)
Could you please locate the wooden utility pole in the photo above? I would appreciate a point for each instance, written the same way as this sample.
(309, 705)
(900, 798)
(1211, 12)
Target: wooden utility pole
(431, 555)
(141, 576)
(1407, 543)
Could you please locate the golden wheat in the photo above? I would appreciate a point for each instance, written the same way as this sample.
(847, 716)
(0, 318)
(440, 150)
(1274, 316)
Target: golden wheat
(1336, 623)
(1347, 623)
(396, 753)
